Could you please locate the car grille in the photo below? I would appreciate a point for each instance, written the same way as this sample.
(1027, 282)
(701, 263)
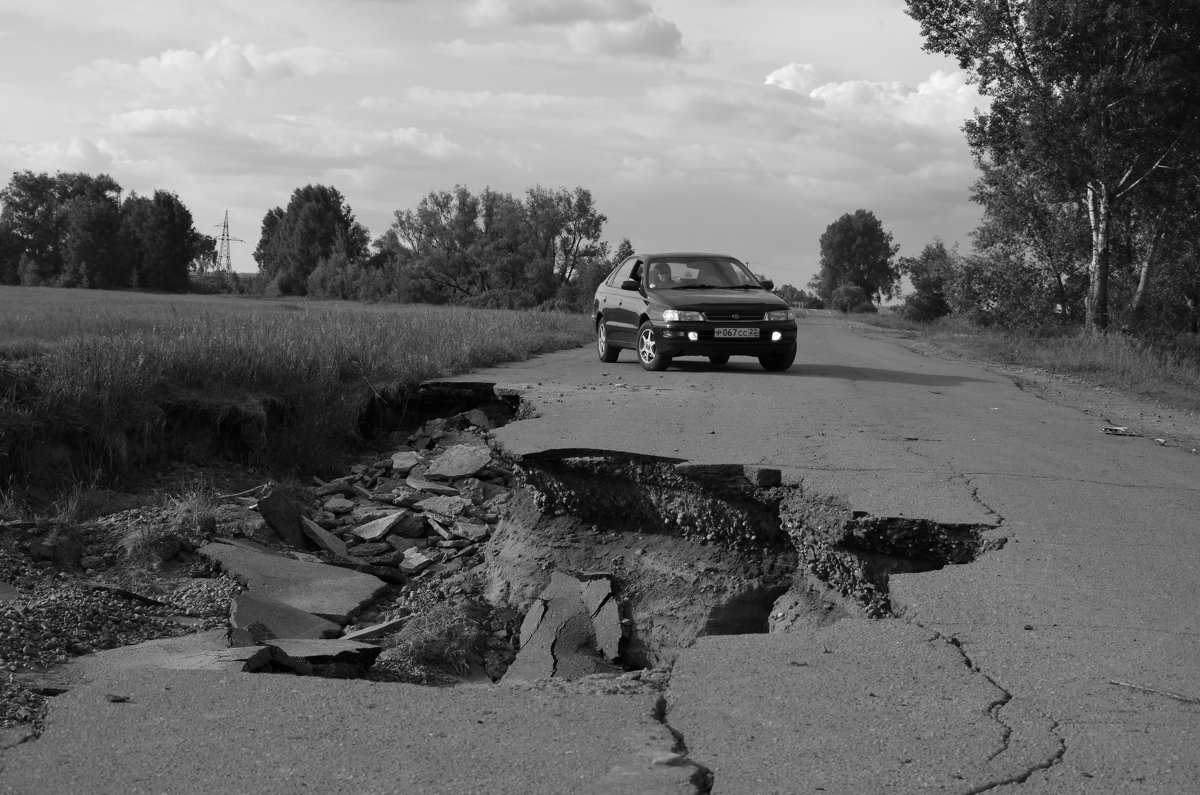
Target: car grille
(734, 317)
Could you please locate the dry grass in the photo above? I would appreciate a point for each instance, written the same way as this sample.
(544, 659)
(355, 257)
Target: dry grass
(107, 368)
(438, 643)
(1170, 375)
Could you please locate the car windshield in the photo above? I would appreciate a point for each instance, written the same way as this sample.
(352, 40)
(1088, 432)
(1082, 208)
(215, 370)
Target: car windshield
(699, 273)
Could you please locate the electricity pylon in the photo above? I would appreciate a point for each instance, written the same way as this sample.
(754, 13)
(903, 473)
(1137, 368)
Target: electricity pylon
(224, 263)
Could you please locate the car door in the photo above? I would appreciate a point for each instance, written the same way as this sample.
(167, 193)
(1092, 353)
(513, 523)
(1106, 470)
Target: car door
(620, 307)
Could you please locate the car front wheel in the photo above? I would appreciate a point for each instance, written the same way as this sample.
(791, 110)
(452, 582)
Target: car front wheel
(608, 353)
(648, 353)
(779, 360)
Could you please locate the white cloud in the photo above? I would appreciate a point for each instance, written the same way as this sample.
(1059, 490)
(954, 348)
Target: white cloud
(156, 121)
(223, 64)
(799, 77)
(945, 99)
(554, 12)
(648, 35)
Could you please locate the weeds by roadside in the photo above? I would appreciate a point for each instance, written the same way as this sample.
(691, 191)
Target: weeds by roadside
(1170, 375)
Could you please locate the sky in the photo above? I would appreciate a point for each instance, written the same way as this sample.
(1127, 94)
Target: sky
(741, 127)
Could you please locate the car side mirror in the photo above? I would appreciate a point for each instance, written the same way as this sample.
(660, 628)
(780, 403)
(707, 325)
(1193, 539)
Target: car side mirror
(767, 284)
(630, 284)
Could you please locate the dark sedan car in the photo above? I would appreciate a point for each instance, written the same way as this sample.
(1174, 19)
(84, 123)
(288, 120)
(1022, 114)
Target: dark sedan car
(691, 304)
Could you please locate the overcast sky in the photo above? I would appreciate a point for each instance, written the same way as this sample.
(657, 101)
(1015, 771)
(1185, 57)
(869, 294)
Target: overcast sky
(743, 127)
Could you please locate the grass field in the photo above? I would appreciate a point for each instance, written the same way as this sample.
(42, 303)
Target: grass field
(99, 370)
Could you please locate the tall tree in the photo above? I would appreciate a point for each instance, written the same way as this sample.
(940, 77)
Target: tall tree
(855, 250)
(1096, 97)
(316, 224)
(160, 241)
(930, 273)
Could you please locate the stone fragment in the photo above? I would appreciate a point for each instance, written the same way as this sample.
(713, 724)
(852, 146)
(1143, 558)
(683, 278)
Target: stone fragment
(254, 619)
(400, 543)
(371, 548)
(459, 461)
(378, 528)
(282, 515)
(8, 593)
(406, 497)
(440, 529)
(91, 561)
(430, 487)
(412, 525)
(338, 505)
(764, 477)
(448, 506)
(404, 461)
(376, 630)
(479, 419)
(323, 538)
(327, 591)
(471, 531)
(414, 562)
(559, 636)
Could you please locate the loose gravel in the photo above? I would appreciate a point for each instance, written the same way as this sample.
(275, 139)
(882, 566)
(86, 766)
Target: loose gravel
(50, 614)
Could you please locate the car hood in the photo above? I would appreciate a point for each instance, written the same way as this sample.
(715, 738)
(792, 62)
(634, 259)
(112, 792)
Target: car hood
(717, 298)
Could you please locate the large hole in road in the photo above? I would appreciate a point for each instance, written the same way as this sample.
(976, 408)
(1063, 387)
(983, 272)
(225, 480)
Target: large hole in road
(698, 550)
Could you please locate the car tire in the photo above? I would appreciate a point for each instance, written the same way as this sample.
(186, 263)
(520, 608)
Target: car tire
(647, 349)
(779, 360)
(719, 360)
(608, 353)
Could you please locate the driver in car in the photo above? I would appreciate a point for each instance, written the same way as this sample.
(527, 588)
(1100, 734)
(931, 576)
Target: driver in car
(660, 275)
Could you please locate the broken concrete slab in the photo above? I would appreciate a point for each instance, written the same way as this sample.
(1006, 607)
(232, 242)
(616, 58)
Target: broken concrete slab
(450, 507)
(376, 630)
(282, 515)
(474, 532)
(404, 461)
(460, 461)
(378, 528)
(414, 562)
(338, 505)
(420, 483)
(322, 537)
(330, 592)
(255, 619)
(558, 636)
(306, 655)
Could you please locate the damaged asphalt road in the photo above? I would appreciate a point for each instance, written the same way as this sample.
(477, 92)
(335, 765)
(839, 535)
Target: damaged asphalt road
(1012, 670)
(987, 593)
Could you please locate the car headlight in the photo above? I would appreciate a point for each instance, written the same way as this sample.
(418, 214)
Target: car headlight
(781, 314)
(682, 316)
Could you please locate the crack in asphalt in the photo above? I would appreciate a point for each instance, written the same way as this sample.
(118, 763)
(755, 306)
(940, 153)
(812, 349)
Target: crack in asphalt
(994, 709)
(702, 779)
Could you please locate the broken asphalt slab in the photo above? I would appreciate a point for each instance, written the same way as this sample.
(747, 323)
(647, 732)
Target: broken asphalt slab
(199, 732)
(330, 592)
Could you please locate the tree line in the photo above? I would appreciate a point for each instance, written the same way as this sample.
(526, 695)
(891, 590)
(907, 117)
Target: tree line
(1089, 171)
(76, 230)
(456, 246)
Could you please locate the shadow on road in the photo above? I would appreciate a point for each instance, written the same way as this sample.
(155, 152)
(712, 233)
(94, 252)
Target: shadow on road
(836, 371)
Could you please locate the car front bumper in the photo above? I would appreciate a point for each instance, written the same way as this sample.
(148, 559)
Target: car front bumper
(698, 339)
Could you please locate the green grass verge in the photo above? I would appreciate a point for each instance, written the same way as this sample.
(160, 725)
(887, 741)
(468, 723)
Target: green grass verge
(106, 372)
(1169, 374)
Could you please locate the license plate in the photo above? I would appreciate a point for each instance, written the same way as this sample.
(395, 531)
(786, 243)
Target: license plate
(737, 333)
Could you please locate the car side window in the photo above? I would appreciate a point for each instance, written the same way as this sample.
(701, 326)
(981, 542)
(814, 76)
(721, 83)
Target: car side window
(624, 271)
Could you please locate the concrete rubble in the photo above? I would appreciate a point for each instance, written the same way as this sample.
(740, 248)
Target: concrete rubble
(414, 514)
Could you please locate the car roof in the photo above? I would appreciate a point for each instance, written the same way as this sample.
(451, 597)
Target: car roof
(668, 254)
